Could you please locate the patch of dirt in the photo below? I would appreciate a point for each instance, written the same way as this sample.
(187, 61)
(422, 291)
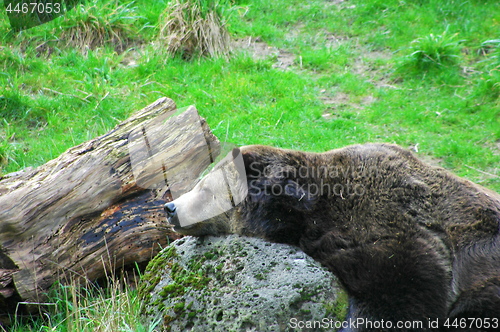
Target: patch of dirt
(335, 2)
(320, 40)
(294, 32)
(130, 59)
(368, 65)
(260, 50)
(340, 102)
(364, 67)
(332, 40)
(339, 98)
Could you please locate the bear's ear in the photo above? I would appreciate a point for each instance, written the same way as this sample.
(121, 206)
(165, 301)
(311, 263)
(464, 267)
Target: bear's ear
(236, 152)
(253, 166)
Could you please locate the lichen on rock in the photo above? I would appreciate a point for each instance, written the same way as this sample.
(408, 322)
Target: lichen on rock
(236, 283)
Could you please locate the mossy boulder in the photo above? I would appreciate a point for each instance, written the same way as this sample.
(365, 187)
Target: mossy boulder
(237, 284)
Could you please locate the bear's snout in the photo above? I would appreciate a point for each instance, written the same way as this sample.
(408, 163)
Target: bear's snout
(170, 209)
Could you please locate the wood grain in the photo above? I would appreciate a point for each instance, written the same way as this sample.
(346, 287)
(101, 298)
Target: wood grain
(98, 205)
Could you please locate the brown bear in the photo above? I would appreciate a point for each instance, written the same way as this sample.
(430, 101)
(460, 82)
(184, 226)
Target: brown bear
(416, 247)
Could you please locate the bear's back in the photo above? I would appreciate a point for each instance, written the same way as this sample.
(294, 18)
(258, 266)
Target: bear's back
(464, 215)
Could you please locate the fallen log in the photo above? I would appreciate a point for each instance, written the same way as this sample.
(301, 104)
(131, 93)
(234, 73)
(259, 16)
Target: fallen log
(97, 206)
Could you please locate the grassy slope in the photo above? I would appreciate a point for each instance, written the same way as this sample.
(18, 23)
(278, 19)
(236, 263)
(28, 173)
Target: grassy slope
(53, 103)
(352, 64)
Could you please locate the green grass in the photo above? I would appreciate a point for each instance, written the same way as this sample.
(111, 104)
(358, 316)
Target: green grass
(433, 52)
(88, 309)
(422, 73)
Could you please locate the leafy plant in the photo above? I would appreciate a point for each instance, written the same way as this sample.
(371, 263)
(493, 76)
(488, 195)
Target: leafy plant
(434, 51)
(489, 82)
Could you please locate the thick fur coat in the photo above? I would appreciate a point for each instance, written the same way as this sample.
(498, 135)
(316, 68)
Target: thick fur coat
(408, 241)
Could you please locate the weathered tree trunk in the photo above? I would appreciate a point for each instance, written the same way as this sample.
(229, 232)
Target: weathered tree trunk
(99, 203)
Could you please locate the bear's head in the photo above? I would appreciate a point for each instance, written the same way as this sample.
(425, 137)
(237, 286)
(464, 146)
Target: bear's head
(254, 191)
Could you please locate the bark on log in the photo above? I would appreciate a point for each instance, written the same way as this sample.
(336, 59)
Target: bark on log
(98, 203)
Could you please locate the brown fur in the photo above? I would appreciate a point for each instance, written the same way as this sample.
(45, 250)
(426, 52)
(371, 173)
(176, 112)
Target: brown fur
(407, 240)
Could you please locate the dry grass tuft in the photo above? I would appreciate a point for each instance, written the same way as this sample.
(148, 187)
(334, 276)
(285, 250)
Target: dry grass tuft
(110, 304)
(194, 28)
(93, 24)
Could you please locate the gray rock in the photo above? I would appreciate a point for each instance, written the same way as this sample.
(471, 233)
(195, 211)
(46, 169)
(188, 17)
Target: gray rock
(239, 284)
